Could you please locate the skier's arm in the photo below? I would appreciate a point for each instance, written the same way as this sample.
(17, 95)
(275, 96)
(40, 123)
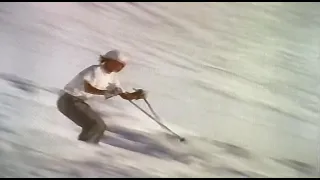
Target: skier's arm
(90, 82)
(126, 95)
(92, 90)
(138, 94)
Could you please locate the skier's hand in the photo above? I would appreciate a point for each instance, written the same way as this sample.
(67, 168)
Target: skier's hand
(116, 91)
(139, 94)
(113, 90)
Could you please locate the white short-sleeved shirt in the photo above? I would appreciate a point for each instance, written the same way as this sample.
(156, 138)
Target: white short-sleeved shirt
(96, 77)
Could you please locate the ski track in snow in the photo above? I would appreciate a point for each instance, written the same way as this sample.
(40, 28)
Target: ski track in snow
(256, 68)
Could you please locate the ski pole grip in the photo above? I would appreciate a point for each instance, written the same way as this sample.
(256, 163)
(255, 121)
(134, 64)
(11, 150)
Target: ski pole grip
(144, 92)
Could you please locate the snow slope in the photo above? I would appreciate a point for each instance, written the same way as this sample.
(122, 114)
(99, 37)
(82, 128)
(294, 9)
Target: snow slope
(239, 80)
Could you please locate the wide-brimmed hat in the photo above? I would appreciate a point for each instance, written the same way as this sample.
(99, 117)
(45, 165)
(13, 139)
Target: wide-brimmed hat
(115, 55)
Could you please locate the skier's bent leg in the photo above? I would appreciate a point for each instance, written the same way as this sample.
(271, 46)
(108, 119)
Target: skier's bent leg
(96, 133)
(94, 129)
(83, 136)
(71, 108)
(84, 116)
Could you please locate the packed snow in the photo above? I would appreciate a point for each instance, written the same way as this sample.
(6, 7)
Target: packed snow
(239, 80)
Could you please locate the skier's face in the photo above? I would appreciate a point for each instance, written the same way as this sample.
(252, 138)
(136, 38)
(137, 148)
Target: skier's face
(113, 66)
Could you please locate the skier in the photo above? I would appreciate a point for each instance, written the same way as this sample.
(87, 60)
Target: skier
(95, 80)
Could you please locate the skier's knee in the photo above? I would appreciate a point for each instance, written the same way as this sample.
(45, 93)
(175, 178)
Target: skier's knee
(103, 127)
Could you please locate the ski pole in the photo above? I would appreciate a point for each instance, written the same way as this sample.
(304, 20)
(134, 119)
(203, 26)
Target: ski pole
(162, 125)
(151, 109)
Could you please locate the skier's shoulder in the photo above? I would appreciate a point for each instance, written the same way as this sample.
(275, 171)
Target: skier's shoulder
(92, 68)
(89, 69)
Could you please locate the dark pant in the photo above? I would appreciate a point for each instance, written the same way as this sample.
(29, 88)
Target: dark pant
(81, 113)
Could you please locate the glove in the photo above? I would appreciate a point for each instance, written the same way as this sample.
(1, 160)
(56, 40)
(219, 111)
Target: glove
(113, 90)
(139, 94)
